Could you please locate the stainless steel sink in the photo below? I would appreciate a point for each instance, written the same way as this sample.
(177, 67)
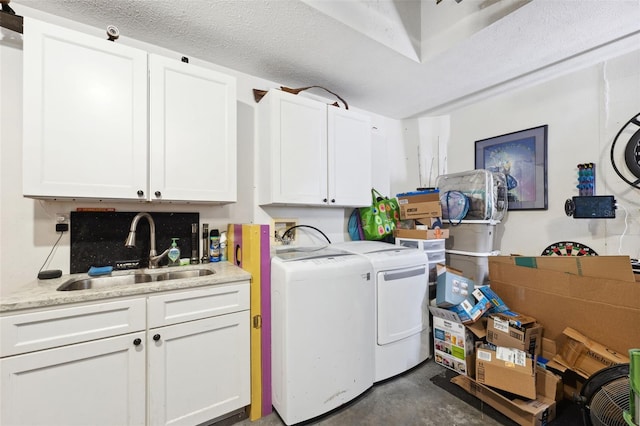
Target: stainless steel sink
(137, 278)
(176, 275)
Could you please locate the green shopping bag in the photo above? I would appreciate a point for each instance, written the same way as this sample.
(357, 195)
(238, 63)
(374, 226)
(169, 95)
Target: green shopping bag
(379, 219)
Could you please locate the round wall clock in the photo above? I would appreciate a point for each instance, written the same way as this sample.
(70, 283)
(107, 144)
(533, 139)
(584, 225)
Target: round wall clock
(568, 248)
(631, 151)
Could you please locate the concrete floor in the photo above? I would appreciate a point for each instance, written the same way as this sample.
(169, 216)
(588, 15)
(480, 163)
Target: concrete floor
(409, 399)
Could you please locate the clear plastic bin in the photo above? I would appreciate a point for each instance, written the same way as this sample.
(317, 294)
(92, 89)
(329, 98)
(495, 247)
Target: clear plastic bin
(474, 266)
(472, 236)
(485, 191)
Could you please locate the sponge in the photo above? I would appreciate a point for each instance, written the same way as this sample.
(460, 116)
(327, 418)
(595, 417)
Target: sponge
(95, 271)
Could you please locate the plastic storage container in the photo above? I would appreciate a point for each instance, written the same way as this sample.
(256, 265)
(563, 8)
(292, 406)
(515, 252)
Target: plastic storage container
(433, 248)
(472, 236)
(474, 266)
(485, 192)
(430, 246)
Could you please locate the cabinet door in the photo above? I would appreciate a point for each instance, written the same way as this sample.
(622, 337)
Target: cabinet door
(349, 165)
(198, 370)
(192, 132)
(294, 155)
(85, 115)
(95, 383)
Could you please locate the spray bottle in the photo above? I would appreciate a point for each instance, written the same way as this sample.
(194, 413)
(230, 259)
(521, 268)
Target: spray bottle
(214, 252)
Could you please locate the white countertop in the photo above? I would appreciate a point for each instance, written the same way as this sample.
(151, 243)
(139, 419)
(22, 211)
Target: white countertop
(43, 293)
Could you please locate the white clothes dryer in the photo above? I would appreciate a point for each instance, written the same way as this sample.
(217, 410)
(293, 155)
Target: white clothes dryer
(402, 338)
(322, 303)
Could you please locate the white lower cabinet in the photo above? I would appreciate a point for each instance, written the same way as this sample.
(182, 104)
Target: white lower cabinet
(101, 382)
(174, 358)
(198, 370)
(198, 354)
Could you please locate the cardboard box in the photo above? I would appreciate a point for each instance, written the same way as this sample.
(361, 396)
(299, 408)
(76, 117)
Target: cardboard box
(507, 369)
(498, 305)
(470, 313)
(420, 210)
(611, 267)
(452, 287)
(548, 384)
(453, 343)
(429, 222)
(605, 308)
(536, 412)
(418, 197)
(422, 234)
(549, 348)
(585, 356)
(571, 381)
(501, 331)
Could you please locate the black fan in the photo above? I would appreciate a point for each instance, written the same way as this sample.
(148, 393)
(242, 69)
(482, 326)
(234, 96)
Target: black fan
(605, 396)
(631, 151)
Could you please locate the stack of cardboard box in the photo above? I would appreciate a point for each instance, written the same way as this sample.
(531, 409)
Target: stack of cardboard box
(589, 307)
(571, 317)
(505, 378)
(420, 215)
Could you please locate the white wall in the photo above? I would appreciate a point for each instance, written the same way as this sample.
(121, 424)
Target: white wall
(27, 232)
(584, 111)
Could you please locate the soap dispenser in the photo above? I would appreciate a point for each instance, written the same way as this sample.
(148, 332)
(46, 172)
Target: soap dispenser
(174, 253)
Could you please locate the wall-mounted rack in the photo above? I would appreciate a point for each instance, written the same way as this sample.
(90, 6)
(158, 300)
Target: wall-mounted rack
(9, 19)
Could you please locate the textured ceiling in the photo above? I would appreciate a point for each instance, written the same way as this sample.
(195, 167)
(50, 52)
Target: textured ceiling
(398, 58)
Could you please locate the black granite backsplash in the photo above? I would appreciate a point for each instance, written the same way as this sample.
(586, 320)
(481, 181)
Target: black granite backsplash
(97, 238)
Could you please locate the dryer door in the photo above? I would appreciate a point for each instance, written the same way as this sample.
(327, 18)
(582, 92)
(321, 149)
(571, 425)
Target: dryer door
(402, 303)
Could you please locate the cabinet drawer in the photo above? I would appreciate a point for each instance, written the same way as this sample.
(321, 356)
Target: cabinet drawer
(197, 304)
(48, 329)
(435, 255)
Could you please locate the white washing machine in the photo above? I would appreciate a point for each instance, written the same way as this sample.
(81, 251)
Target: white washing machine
(402, 338)
(322, 302)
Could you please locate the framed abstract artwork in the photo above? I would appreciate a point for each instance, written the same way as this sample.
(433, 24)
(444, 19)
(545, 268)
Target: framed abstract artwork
(522, 157)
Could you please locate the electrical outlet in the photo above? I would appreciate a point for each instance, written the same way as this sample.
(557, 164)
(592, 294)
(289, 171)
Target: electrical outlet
(279, 227)
(62, 227)
(62, 222)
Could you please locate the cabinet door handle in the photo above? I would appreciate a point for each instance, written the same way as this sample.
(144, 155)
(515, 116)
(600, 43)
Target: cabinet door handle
(333, 200)
(140, 193)
(158, 193)
(156, 337)
(324, 200)
(136, 342)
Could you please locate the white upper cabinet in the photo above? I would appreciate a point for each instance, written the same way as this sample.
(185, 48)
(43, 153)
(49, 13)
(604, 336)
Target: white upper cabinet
(85, 115)
(293, 149)
(87, 108)
(192, 130)
(349, 163)
(312, 153)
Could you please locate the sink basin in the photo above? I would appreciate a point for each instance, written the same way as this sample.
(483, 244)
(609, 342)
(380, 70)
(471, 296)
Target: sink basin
(137, 278)
(176, 275)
